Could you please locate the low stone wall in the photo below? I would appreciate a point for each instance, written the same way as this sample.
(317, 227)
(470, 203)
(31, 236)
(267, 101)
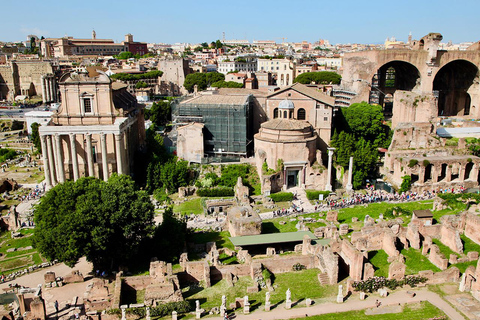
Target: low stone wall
(437, 258)
(450, 275)
(138, 282)
(451, 238)
(472, 225)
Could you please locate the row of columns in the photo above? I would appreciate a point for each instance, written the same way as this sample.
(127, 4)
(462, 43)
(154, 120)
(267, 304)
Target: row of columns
(436, 171)
(49, 91)
(54, 161)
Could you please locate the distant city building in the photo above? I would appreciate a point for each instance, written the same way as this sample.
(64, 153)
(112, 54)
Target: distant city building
(236, 42)
(283, 68)
(241, 64)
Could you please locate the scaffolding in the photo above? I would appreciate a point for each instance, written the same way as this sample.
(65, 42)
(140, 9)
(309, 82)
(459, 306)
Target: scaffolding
(227, 132)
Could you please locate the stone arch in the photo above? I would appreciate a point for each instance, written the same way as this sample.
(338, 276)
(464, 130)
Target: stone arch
(391, 76)
(456, 84)
(275, 113)
(301, 114)
(468, 170)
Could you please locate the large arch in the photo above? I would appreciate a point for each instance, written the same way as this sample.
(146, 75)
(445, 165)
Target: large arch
(454, 85)
(390, 77)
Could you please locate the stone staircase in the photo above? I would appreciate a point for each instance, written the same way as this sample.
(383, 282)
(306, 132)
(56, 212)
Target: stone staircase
(302, 199)
(323, 278)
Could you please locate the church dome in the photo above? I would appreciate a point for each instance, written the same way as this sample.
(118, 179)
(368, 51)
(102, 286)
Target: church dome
(286, 104)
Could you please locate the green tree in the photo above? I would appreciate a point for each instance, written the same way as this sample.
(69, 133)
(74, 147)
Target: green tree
(204, 45)
(227, 84)
(141, 85)
(212, 77)
(198, 49)
(320, 77)
(36, 137)
(106, 221)
(160, 113)
(218, 44)
(473, 144)
(202, 80)
(406, 184)
(125, 55)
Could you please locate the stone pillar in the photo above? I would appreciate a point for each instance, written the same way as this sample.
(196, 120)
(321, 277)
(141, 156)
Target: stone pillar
(448, 173)
(435, 173)
(119, 152)
(421, 175)
(44, 91)
(328, 187)
(126, 158)
(47, 87)
(60, 166)
(103, 142)
(474, 173)
(73, 150)
(350, 174)
(51, 159)
(340, 294)
(46, 168)
(461, 172)
(91, 172)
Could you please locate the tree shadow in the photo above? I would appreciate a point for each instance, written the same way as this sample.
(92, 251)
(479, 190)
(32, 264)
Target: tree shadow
(269, 227)
(297, 302)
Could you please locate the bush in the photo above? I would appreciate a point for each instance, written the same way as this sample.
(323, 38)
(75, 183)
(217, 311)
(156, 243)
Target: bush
(216, 192)
(161, 196)
(373, 284)
(282, 196)
(426, 163)
(412, 163)
(130, 77)
(406, 184)
(298, 267)
(266, 274)
(313, 194)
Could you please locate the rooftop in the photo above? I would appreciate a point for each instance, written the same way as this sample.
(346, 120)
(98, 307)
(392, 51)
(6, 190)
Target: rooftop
(423, 213)
(217, 99)
(271, 238)
(286, 124)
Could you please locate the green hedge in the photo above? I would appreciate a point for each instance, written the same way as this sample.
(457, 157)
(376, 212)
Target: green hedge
(216, 192)
(313, 194)
(282, 196)
(161, 310)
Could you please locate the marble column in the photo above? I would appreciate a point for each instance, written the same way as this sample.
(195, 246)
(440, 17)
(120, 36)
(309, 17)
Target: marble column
(59, 156)
(47, 87)
(51, 160)
(119, 152)
(73, 149)
(350, 174)
(328, 187)
(91, 172)
(46, 168)
(103, 142)
(44, 91)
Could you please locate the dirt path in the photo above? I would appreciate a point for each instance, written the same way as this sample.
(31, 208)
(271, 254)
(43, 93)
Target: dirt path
(353, 303)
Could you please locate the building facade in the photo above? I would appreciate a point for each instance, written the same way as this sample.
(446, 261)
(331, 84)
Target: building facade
(95, 131)
(284, 69)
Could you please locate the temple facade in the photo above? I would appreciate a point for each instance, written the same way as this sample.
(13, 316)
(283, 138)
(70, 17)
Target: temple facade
(95, 131)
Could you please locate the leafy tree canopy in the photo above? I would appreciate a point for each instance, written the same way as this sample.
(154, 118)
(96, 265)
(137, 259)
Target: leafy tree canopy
(160, 113)
(202, 80)
(320, 77)
(104, 221)
(36, 137)
(131, 77)
(218, 44)
(227, 84)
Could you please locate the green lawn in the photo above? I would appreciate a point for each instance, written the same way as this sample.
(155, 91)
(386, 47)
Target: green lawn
(191, 206)
(417, 311)
(469, 245)
(303, 284)
(416, 262)
(16, 260)
(446, 251)
(221, 238)
(379, 261)
(375, 209)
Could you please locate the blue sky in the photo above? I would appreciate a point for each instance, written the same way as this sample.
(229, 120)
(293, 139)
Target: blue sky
(368, 21)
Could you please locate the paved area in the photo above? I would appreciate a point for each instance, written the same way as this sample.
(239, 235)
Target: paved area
(395, 299)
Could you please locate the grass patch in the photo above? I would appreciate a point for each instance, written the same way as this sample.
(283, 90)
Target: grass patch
(469, 245)
(191, 206)
(415, 262)
(417, 311)
(446, 251)
(464, 265)
(220, 238)
(375, 209)
(379, 261)
(296, 281)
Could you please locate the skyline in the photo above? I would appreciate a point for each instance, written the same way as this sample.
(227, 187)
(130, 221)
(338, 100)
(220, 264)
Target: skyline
(153, 21)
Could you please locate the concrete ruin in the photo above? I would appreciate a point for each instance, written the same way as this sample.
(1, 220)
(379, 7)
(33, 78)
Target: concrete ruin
(243, 221)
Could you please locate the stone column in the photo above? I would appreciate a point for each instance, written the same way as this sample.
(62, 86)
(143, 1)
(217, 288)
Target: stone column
(104, 156)
(119, 152)
(448, 173)
(47, 88)
(328, 187)
(474, 172)
(461, 172)
(91, 172)
(73, 149)
(421, 174)
(126, 158)
(435, 173)
(60, 165)
(51, 159)
(44, 91)
(46, 168)
(350, 174)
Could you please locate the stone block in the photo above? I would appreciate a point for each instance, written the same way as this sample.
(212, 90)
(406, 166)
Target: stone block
(49, 276)
(472, 256)
(253, 289)
(267, 306)
(363, 295)
(332, 216)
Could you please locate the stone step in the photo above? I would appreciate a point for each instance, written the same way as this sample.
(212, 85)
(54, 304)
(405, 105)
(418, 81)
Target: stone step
(323, 278)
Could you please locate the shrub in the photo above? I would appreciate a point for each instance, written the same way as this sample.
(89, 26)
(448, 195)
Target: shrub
(216, 192)
(412, 163)
(298, 267)
(266, 274)
(426, 162)
(406, 184)
(282, 196)
(469, 160)
(373, 284)
(313, 194)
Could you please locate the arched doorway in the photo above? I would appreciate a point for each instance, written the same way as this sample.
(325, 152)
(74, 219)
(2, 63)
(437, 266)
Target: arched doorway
(454, 82)
(275, 113)
(301, 115)
(392, 76)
